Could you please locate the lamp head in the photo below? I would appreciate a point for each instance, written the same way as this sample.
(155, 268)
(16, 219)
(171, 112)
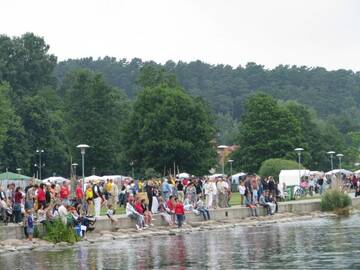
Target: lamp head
(82, 148)
(222, 147)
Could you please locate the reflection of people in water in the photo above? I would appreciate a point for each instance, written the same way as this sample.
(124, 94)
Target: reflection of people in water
(177, 246)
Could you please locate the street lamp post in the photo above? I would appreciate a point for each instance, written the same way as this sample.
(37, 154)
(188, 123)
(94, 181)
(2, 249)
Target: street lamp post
(40, 151)
(222, 149)
(331, 153)
(340, 156)
(230, 162)
(74, 170)
(298, 151)
(82, 148)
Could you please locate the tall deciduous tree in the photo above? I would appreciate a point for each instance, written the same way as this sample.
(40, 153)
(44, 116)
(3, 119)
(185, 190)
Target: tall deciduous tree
(267, 131)
(166, 126)
(14, 149)
(26, 64)
(95, 113)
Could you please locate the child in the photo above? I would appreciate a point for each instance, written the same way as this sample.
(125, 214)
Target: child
(110, 214)
(242, 192)
(179, 212)
(30, 225)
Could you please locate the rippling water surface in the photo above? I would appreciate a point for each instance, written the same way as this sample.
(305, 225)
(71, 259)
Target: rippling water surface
(319, 243)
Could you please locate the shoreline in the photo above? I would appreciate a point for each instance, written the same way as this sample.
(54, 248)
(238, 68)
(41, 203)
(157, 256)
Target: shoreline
(24, 245)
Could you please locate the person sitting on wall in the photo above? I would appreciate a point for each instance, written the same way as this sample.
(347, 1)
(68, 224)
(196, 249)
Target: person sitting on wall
(264, 204)
(249, 203)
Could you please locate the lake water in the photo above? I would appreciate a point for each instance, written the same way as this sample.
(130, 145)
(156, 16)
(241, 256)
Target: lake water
(319, 243)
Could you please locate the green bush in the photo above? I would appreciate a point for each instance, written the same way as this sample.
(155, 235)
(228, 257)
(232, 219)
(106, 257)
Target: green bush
(273, 166)
(334, 199)
(58, 232)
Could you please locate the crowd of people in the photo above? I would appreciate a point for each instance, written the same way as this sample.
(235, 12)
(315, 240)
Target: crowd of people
(170, 198)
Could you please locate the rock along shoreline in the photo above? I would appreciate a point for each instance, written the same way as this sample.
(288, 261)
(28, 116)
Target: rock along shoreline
(24, 245)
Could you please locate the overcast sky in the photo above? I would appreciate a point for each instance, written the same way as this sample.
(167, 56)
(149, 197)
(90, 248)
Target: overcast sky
(269, 32)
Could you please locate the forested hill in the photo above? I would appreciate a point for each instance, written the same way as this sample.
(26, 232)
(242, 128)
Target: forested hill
(334, 95)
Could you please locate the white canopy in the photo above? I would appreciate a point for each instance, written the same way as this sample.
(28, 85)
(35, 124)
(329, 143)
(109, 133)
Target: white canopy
(217, 175)
(55, 179)
(291, 177)
(93, 178)
(357, 172)
(342, 171)
(183, 175)
(236, 177)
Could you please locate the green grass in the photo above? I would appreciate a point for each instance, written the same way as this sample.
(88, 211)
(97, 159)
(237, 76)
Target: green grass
(235, 198)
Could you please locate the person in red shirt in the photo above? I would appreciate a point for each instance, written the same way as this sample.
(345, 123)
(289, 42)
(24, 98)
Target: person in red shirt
(17, 205)
(180, 212)
(171, 205)
(138, 206)
(79, 193)
(41, 196)
(64, 192)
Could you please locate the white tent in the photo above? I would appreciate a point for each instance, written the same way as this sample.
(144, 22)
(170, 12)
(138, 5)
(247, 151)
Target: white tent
(291, 177)
(55, 179)
(357, 172)
(93, 178)
(342, 171)
(235, 179)
(118, 179)
(217, 175)
(183, 175)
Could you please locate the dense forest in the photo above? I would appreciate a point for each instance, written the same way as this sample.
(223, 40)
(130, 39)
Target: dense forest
(333, 95)
(149, 115)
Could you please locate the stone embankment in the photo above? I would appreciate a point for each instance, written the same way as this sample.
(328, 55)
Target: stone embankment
(22, 245)
(12, 236)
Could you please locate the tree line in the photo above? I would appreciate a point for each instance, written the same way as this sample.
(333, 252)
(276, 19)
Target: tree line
(149, 116)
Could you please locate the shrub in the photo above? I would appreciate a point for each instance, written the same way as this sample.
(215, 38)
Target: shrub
(58, 232)
(272, 167)
(334, 199)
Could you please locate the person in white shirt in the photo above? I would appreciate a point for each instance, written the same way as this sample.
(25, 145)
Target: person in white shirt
(208, 193)
(63, 213)
(242, 190)
(214, 192)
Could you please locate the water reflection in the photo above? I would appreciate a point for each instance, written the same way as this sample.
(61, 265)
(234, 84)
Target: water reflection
(320, 243)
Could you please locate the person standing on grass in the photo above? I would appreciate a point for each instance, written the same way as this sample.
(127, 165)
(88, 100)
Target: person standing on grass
(179, 212)
(41, 199)
(180, 190)
(79, 193)
(64, 193)
(97, 199)
(242, 190)
(17, 205)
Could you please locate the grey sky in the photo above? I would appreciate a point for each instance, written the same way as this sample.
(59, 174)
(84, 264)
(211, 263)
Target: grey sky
(269, 32)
